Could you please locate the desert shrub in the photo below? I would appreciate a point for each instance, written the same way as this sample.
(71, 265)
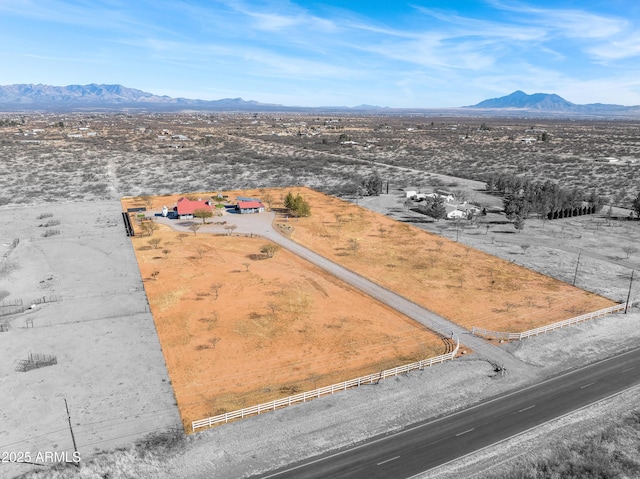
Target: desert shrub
(50, 232)
(161, 443)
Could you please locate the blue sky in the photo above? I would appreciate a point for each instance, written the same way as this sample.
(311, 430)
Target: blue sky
(423, 53)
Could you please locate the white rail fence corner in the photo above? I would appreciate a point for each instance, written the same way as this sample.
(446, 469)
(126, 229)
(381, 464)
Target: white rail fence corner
(486, 333)
(316, 393)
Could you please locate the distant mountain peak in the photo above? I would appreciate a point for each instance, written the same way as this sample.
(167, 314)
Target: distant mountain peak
(519, 99)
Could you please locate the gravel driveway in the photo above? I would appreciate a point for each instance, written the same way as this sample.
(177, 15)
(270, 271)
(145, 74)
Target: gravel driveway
(262, 225)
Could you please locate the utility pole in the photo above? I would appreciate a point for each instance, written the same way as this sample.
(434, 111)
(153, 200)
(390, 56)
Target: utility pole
(75, 447)
(626, 308)
(575, 275)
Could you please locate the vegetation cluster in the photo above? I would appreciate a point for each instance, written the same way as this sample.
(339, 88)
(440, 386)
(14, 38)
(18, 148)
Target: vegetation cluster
(523, 197)
(297, 205)
(609, 453)
(88, 156)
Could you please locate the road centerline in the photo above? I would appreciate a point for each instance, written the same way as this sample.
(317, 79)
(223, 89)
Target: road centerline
(586, 385)
(465, 432)
(527, 408)
(388, 460)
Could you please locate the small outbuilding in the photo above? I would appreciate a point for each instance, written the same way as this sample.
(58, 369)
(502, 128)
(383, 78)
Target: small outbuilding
(248, 207)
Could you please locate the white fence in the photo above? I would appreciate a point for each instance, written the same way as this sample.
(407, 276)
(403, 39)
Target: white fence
(316, 393)
(550, 327)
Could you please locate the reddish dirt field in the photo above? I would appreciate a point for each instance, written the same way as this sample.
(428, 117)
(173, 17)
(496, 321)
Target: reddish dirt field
(238, 329)
(467, 286)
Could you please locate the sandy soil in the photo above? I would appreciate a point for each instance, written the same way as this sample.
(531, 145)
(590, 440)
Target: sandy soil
(273, 440)
(461, 284)
(277, 438)
(109, 367)
(239, 329)
(586, 250)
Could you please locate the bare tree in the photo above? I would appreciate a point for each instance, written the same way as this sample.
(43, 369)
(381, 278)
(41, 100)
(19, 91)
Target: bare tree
(182, 236)
(230, 228)
(440, 244)
(629, 250)
(166, 252)
(273, 307)
(354, 245)
(155, 274)
(246, 265)
(215, 289)
(509, 306)
(155, 242)
(149, 226)
(525, 247)
(214, 341)
(194, 227)
(147, 200)
(268, 199)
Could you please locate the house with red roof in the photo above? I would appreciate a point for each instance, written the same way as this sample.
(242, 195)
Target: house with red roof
(247, 207)
(185, 207)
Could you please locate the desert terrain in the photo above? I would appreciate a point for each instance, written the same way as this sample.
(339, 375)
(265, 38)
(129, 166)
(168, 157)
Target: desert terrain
(75, 156)
(239, 328)
(127, 157)
(90, 312)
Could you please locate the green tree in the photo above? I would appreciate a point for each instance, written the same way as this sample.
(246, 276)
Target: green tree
(270, 249)
(435, 208)
(297, 205)
(203, 213)
(372, 185)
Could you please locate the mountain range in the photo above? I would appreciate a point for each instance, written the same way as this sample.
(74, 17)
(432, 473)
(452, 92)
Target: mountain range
(74, 97)
(118, 97)
(550, 102)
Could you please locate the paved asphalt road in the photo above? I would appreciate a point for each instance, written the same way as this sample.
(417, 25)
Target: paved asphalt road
(426, 445)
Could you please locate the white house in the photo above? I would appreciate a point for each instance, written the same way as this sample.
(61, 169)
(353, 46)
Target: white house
(454, 213)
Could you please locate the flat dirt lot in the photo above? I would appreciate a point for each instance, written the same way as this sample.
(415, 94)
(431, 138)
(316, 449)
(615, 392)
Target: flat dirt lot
(239, 328)
(462, 284)
(587, 250)
(109, 367)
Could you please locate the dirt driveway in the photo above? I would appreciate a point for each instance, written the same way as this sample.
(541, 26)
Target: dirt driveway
(262, 225)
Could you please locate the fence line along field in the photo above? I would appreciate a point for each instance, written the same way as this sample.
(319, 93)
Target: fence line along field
(239, 328)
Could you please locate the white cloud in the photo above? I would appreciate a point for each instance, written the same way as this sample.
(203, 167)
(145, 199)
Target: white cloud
(566, 22)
